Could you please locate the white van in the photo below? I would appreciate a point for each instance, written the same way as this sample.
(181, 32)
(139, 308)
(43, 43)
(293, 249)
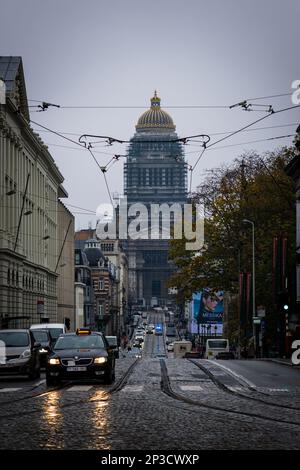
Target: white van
(55, 329)
(215, 346)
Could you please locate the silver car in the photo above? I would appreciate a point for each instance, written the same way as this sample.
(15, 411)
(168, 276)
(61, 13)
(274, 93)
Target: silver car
(19, 353)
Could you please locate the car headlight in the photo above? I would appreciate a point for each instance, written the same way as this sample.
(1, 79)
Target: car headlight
(25, 354)
(54, 361)
(100, 360)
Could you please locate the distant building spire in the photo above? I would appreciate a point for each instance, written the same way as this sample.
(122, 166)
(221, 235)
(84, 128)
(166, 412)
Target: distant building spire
(155, 101)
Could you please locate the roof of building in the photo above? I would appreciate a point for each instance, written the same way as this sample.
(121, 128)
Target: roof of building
(94, 255)
(155, 118)
(84, 234)
(11, 72)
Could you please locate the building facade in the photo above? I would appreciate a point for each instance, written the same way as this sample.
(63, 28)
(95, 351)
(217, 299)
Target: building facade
(155, 173)
(113, 250)
(83, 274)
(30, 185)
(65, 266)
(105, 283)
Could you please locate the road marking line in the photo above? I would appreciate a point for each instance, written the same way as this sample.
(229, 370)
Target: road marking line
(278, 390)
(195, 388)
(79, 388)
(235, 389)
(3, 390)
(40, 383)
(132, 388)
(234, 374)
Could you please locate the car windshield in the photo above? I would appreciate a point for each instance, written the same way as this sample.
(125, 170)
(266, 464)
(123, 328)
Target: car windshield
(40, 336)
(217, 344)
(55, 332)
(79, 342)
(112, 340)
(15, 339)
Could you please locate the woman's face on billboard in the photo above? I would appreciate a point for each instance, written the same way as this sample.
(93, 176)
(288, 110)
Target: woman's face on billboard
(210, 302)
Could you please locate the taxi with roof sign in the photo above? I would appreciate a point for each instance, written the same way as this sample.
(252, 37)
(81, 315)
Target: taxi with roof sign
(85, 354)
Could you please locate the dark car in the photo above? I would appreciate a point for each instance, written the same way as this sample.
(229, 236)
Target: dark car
(225, 355)
(43, 337)
(19, 353)
(81, 355)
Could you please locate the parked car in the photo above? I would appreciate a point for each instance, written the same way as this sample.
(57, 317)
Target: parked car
(139, 337)
(113, 343)
(43, 337)
(225, 355)
(55, 329)
(20, 353)
(81, 355)
(136, 343)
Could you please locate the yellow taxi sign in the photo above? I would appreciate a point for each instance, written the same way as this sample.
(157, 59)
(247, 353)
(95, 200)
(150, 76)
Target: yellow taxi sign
(83, 331)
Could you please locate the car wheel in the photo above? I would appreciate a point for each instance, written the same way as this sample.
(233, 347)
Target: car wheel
(109, 376)
(51, 381)
(32, 374)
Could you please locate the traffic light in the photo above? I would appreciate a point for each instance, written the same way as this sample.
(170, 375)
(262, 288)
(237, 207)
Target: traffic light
(283, 301)
(67, 323)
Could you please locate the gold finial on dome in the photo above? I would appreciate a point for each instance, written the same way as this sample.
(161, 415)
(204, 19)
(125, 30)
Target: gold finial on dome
(155, 101)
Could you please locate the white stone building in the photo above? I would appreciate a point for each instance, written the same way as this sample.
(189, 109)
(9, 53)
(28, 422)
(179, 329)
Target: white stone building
(30, 185)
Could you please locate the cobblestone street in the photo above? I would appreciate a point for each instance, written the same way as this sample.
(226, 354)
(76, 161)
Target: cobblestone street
(203, 406)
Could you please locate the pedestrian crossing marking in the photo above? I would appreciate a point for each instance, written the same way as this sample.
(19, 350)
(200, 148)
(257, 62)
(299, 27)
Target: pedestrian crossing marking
(3, 390)
(79, 388)
(132, 388)
(191, 388)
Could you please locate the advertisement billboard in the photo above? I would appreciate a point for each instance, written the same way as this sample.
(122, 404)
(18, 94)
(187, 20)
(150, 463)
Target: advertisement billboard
(207, 313)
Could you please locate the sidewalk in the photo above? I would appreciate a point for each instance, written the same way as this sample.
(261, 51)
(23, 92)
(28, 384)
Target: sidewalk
(279, 360)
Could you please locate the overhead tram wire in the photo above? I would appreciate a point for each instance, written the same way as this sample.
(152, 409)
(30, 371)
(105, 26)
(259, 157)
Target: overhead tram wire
(245, 143)
(166, 106)
(77, 134)
(244, 128)
(57, 133)
(184, 140)
(103, 171)
(49, 200)
(66, 138)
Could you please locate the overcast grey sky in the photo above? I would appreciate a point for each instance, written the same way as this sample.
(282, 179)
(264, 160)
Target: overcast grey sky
(116, 52)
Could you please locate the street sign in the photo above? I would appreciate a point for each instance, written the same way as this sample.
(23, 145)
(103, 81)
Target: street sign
(40, 306)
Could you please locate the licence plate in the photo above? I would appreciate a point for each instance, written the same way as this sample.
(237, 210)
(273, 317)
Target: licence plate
(76, 369)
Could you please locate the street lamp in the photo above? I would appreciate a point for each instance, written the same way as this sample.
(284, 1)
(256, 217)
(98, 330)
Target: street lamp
(246, 221)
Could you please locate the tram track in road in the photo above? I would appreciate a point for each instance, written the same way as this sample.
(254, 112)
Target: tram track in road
(228, 390)
(168, 390)
(116, 387)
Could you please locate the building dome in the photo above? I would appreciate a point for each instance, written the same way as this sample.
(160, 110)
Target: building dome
(155, 118)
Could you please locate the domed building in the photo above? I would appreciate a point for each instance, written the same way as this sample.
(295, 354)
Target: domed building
(155, 173)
